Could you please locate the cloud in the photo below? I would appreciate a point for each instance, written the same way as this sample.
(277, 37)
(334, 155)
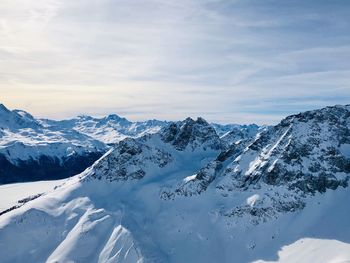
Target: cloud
(230, 61)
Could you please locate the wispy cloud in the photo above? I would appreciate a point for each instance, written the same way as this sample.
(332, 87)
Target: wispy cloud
(230, 61)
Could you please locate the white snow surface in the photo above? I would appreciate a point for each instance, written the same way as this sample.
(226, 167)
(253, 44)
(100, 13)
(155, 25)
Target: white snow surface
(345, 150)
(126, 221)
(190, 178)
(11, 193)
(251, 200)
(313, 250)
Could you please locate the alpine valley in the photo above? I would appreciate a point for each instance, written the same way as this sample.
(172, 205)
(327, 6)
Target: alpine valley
(186, 191)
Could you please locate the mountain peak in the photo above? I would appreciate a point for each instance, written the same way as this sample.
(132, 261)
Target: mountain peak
(3, 108)
(24, 114)
(304, 151)
(202, 121)
(191, 132)
(16, 118)
(332, 114)
(199, 121)
(115, 117)
(84, 117)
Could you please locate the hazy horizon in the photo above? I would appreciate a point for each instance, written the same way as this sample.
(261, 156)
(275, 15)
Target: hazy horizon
(152, 118)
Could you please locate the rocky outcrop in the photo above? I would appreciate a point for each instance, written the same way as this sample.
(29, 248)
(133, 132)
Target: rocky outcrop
(191, 133)
(304, 151)
(130, 159)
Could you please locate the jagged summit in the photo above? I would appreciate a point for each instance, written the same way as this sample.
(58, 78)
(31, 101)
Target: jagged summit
(115, 117)
(307, 151)
(243, 132)
(191, 132)
(3, 108)
(330, 113)
(85, 117)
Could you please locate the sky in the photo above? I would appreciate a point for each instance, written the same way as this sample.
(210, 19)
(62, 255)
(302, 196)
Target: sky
(229, 61)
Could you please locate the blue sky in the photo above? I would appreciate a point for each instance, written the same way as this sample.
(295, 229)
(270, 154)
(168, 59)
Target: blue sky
(236, 61)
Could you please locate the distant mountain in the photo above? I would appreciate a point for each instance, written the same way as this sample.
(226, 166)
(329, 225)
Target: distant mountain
(41, 149)
(184, 195)
(110, 129)
(32, 151)
(16, 119)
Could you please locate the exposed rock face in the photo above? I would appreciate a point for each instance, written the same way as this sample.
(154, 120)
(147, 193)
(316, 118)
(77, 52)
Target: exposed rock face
(242, 132)
(130, 160)
(304, 154)
(191, 133)
(303, 151)
(206, 175)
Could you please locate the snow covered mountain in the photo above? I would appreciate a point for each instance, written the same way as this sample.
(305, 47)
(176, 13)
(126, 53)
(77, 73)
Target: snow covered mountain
(35, 149)
(241, 132)
(183, 195)
(30, 151)
(110, 129)
(185, 143)
(41, 149)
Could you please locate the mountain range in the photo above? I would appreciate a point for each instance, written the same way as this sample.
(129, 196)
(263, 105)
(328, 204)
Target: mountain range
(190, 191)
(40, 149)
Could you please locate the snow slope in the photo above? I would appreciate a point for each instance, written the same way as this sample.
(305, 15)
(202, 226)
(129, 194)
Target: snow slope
(11, 193)
(181, 196)
(102, 221)
(97, 221)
